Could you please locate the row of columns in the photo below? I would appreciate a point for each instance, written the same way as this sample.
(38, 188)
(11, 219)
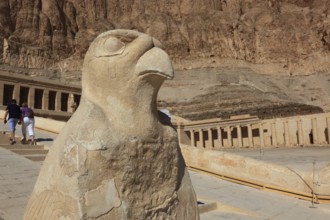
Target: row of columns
(70, 101)
(229, 138)
(274, 138)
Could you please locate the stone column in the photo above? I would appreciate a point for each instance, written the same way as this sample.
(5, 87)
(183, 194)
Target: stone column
(220, 145)
(239, 136)
(58, 102)
(201, 138)
(209, 131)
(328, 126)
(230, 140)
(274, 136)
(250, 135)
(315, 131)
(31, 95)
(1, 92)
(286, 134)
(179, 130)
(45, 99)
(183, 137)
(70, 103)
(300, 132)
(192, 138)
(17, 89)
(261, 135)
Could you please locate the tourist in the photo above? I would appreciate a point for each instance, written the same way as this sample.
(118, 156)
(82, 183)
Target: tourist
(13, 112)
(74, 106)
(27, 122)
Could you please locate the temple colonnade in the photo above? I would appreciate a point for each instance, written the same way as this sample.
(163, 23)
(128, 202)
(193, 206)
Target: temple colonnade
(59, 100)
(250, 132)
(46, 97)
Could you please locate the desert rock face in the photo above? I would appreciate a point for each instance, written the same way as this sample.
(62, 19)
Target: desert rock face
(290, 36)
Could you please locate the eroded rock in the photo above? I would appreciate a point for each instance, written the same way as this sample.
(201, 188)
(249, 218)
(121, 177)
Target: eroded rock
(287, 36)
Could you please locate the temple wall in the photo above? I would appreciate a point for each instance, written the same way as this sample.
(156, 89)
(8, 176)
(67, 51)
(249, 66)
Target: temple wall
(251, 132)
(260, 174)
(246, 169)
(49, 99)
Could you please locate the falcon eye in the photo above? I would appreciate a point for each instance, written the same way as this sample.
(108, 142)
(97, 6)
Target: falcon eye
(127, 39)
(113, 44)
(109, 46)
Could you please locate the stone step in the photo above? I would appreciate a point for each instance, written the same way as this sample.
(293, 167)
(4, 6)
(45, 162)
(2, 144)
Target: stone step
(22, 146)
(27, 149)
(28, 142)
(26, 152)
(36, 153)
(36, 157)
(4, 138)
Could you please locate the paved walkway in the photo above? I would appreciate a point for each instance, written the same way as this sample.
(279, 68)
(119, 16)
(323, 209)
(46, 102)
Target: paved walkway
(245, 203)
(17, 178)
(18, 175)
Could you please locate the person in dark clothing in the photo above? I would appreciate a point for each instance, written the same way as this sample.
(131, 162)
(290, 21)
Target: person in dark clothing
(13, 111)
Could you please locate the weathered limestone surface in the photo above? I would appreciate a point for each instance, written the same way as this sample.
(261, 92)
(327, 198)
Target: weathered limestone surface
(292, 35)
(117, 158)
(298, 178)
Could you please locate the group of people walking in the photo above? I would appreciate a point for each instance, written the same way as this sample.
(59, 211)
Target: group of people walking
(19, 115)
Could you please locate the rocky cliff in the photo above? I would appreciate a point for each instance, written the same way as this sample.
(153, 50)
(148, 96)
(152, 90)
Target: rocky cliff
(280, 36)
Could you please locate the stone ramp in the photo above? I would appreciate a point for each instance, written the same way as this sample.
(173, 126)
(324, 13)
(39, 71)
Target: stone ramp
(30, 151)
(27, 149)
(300, 183)
(295, 158)
(44, 136)
(239, 202)
(17, 178)
(4, 138)
(218, 199)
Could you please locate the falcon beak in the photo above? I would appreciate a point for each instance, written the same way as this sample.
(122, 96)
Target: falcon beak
(156, 62)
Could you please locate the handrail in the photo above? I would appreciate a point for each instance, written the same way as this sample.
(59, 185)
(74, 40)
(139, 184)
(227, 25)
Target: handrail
(321, 198)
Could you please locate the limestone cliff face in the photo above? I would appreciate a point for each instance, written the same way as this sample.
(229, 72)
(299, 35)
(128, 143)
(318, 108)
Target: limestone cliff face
(291, 35)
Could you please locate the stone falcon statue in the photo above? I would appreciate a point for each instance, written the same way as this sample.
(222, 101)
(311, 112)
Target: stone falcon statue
(115, 158)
